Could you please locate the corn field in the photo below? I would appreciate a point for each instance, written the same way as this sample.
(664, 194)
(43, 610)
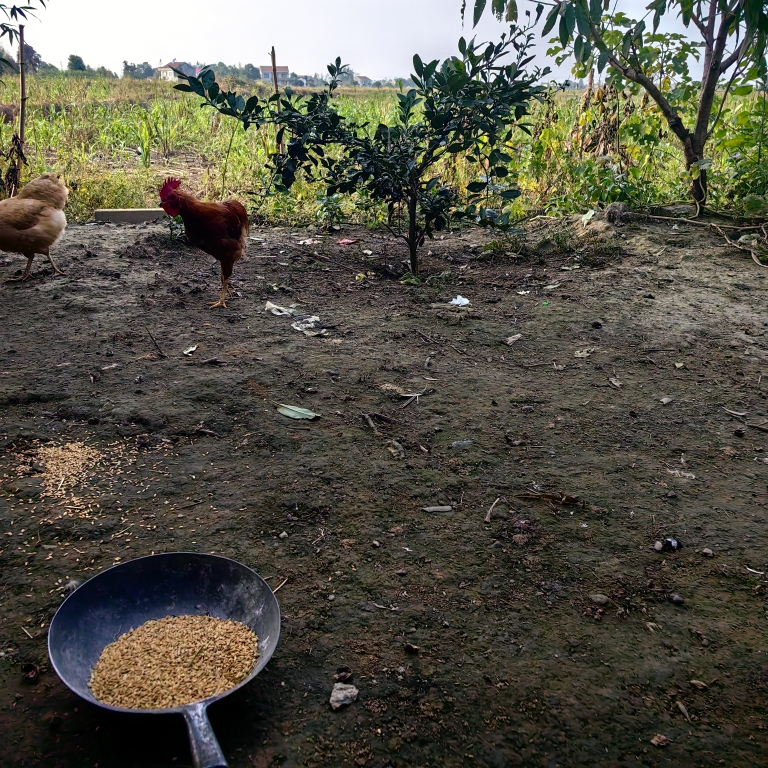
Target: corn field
(114, 141)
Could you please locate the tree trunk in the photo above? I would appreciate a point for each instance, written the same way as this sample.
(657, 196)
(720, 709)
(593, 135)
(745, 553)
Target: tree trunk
(413, 232)
(693, 149)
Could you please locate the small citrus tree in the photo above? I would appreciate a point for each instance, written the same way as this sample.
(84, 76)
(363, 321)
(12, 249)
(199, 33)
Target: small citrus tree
(467, 104)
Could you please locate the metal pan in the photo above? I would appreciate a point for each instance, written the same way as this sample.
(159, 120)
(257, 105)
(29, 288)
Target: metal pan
(171, 584)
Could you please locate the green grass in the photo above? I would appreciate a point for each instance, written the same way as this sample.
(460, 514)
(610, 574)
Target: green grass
(116, 140)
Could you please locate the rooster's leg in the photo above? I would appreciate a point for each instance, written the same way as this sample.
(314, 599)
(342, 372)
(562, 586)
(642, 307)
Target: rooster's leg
(56, 270)
(226, 271)
(220, 302)
(25, 276)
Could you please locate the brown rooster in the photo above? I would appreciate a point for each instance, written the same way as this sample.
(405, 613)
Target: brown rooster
(33, 221)
(219, 229)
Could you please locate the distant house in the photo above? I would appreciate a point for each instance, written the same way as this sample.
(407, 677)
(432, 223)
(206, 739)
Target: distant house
(167, 73)
(363, 80)
(283, 73)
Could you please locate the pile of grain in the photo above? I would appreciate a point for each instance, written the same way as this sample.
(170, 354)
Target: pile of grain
(66, 465)
(174, 661)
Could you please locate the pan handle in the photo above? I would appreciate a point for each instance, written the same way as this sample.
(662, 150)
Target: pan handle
(206, 752)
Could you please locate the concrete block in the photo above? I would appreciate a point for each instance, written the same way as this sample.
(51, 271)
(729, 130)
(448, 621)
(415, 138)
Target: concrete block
(129, 215)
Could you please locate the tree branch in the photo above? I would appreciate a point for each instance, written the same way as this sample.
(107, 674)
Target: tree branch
(637, 76)
(737, 54)
(735, 74)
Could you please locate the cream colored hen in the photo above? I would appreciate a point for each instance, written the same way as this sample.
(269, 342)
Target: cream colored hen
(34, 220)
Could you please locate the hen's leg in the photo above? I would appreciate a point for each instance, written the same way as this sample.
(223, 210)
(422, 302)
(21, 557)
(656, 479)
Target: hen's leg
(56, 270)
(25, 276)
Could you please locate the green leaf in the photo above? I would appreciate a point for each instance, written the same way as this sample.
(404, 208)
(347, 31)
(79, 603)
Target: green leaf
(550, 20)
(477, 186)
(197, 86)
(293, 412)
(183, 87)
(578, 49)
(479, 8)
(582, 19)
(742, 90)
(418, 65)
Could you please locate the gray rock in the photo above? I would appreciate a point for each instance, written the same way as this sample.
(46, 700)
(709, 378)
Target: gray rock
(600, 599)
(343, 695)
(707, 552)
(676, 599)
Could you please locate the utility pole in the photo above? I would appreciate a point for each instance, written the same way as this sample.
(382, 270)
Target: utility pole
(22, 115)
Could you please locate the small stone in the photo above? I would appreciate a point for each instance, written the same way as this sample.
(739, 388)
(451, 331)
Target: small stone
(375, 543)
(666, 400)
(707, 552)
(331, 597)
(699, 684)
(401, 572)
(411, 648)
(496, 545)
(599, 599)
(343, 674)
(676, 599)
(343, 695)
(658, 546)
(283, 535)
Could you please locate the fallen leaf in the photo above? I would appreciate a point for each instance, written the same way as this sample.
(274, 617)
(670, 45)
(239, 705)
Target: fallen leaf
(587, 217)
(699, 684)
(682, 708)
(584, 352)
(189, 350)
(293, 412)
(512, 339)
(660, 741)
(346, 241)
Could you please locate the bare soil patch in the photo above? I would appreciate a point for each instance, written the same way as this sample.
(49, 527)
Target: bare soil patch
(539, 632)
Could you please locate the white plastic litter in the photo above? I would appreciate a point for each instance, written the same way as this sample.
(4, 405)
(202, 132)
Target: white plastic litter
(279, 311)
(459, 301)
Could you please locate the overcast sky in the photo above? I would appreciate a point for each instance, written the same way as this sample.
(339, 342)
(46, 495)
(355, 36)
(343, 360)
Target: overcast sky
(376, 37)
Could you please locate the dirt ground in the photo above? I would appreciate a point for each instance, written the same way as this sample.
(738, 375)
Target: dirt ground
(547, 634)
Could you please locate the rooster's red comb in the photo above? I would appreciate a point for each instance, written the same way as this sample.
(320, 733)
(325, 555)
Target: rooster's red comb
(169, 186)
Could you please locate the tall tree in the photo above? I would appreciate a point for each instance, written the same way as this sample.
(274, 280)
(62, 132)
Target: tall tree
(731, 35)
(76, 64)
